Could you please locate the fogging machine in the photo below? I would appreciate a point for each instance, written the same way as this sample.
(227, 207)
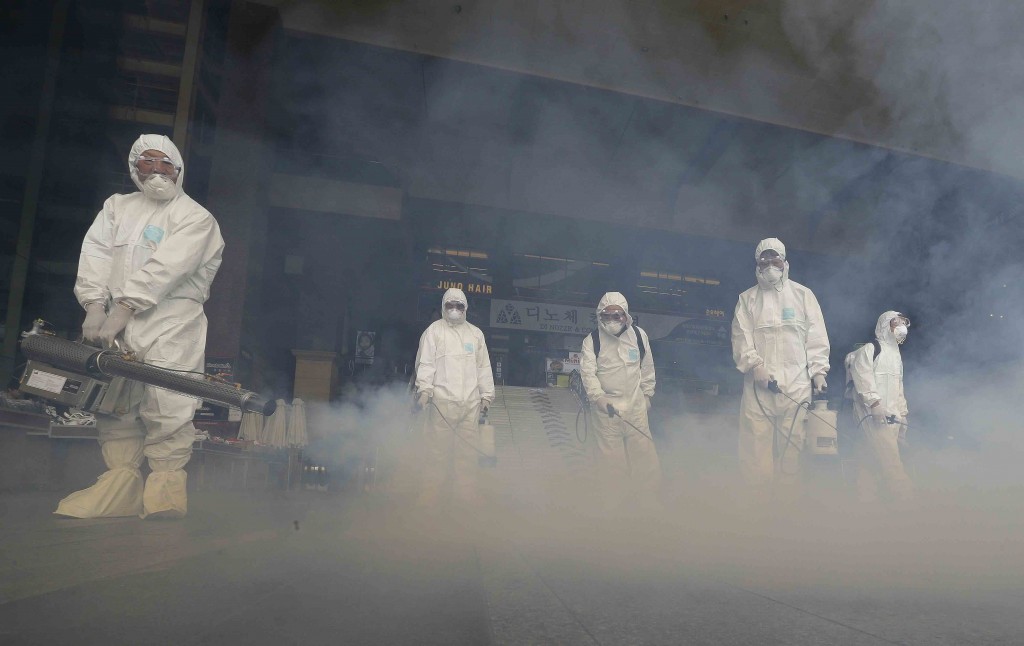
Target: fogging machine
(85, 377)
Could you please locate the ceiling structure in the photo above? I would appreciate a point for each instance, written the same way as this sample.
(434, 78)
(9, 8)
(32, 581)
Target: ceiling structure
(936, 81)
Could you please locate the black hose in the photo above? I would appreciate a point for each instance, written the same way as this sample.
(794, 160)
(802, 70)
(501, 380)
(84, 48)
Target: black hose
(822, 419)
(775, 424)
(586, 422)
(789, 438)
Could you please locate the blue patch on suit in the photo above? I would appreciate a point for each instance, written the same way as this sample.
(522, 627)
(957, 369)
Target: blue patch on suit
(468, 347)
(788, 313)
(153, 233)
(634, 354)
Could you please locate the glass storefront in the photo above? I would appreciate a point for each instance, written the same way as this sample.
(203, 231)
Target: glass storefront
(535, 308)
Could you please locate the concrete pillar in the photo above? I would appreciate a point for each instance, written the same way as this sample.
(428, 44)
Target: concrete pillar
(30, 202)
(239, 175)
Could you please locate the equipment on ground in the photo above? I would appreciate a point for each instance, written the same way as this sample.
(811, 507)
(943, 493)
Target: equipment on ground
(88, 378)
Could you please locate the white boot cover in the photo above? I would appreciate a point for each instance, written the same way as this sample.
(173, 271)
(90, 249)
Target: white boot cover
(118, 492)
(165, 495)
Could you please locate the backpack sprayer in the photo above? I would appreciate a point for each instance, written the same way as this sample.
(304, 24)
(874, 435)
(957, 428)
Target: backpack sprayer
(85, 377)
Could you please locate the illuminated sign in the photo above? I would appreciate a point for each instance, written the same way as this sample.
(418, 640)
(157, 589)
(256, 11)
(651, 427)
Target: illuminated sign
(469, 288)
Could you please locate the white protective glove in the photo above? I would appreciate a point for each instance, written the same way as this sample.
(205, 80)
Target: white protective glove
(647, 400)
(877, 413)
(484, 407)
(761, 376)
(422, 399)
(602, 404)
(820, 385)
(116, 322)
(95, 316)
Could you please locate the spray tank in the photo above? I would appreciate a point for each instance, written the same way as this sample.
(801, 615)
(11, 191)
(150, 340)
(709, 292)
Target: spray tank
(488, 458)
(820, 423)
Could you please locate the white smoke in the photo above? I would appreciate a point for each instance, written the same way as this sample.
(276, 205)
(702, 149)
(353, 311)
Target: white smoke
(946, 79)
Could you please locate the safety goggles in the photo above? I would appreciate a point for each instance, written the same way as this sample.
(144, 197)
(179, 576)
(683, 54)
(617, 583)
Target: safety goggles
(161, 165)
(612, 315)
(774, 261)
(900, 320)
(455, 305)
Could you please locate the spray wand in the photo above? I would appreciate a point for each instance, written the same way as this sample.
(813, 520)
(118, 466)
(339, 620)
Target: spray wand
(612, 412)
(473, 446)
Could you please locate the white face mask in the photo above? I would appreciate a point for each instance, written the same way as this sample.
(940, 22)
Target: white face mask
(158, 187)
(612, 327)
(455, 315)
(900, 332)
(772, 275)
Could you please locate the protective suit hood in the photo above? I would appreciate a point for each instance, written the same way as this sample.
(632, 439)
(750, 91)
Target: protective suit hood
(454, 296)
(164, 145)
(615, 298)
(883, 333)
(775, 245)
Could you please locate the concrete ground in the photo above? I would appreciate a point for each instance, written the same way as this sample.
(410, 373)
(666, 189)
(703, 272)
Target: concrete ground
(237, 570)
(316, 568)
(535, 564)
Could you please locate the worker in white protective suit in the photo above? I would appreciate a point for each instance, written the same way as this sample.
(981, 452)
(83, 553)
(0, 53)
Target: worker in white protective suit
(778, 335)
(876, 370)
(617, 370)
(145, 271)
(454, 388)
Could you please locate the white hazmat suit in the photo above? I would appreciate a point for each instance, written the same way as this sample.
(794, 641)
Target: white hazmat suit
(780, 327)
(618, 375)
(880, 379)
(157, 252)
(453, 372)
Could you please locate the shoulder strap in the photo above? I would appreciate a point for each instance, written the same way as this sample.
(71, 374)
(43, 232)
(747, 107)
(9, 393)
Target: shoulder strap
(878, 348)
(640, 342)
(596, 338)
